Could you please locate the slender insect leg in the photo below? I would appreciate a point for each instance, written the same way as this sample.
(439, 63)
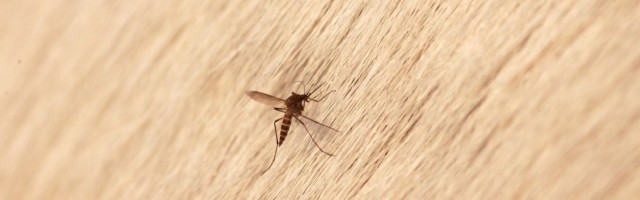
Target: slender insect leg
(314, 140)
(276, 151)
(280, 109)
(322, 96)
(312, 85)
(314, 90)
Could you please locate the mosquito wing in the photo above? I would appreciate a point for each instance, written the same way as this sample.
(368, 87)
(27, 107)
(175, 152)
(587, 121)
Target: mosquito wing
(313, 122)
(265, 98)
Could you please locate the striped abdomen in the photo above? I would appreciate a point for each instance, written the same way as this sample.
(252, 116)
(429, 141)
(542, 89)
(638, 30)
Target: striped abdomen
(284, 129)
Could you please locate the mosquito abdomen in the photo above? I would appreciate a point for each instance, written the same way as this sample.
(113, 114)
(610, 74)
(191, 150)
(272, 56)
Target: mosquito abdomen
(284, 129)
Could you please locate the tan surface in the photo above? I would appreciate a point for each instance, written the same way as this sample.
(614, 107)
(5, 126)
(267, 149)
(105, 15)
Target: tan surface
(481, 99)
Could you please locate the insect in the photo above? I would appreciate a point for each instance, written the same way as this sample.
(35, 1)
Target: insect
(293, 107)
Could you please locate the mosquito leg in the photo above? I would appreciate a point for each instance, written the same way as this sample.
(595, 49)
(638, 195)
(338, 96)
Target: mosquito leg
(280, 109)
(322, 96)
(332, 91)
(309, 133)
(313, 99)
(275, 131)
(312, 85)
(314, 90)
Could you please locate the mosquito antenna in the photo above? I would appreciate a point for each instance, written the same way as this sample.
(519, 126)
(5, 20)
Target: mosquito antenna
(313, 85)
(304, 87)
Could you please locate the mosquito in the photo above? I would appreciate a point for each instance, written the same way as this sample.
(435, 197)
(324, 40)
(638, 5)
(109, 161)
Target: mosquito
(293, 107)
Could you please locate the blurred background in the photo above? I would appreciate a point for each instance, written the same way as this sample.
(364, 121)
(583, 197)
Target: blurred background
(434, 99)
